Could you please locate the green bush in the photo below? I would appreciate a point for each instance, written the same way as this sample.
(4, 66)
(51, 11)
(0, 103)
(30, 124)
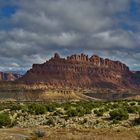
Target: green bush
(50, 108)
(72, 113)
(5, 119)
(37, 109)
(97, 104)
(132, 103)
(2, 107)
(115, 105)
(119, 104)
(119, 114)
(138, 102)
(15, 107)
(132, 109)
(115, 121)
(87, 110)
(24, 108)
(78, 111)
(81, 111)
(99, 112)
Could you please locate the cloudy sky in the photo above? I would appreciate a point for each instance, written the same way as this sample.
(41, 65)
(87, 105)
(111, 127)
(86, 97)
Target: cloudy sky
(32, 30)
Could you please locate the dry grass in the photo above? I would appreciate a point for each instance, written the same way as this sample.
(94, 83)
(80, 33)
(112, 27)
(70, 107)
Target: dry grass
(94, 134)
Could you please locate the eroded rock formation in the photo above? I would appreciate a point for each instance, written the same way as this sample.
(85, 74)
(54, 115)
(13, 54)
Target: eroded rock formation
(8, 76)
(81, 71)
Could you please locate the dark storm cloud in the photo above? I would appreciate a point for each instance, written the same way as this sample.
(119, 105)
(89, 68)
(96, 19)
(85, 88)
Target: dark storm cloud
(38, 28)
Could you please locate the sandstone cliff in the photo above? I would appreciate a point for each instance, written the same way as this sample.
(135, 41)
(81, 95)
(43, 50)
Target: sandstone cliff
(8, 76)
(82, 71)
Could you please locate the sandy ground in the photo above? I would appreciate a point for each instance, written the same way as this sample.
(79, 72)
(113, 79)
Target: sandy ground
(71, 134)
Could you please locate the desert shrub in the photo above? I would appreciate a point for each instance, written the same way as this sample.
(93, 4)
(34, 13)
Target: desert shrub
(39, 133)
(99, 112)
(97, 104)
(50, 122)
(132, 109)
(119, 114)
(5, 119)
(115, 105)
(115, 121)
(67, 107)
(36, 109)
(88, 106)
(15, 107)
(120, 104)
(125, 104)
(106, 109)
(24, 108)
(138, 102)
(87, 110)
(50, 108)
(80, 111)
(2, 107)
(132, 103)
(72, 113)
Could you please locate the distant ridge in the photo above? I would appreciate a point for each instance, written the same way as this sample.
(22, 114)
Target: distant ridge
(82, 71)
(8, 76)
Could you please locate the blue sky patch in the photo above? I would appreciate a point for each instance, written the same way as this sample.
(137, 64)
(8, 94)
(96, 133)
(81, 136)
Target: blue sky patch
(7, 11)
(134, 10)
(127, 19)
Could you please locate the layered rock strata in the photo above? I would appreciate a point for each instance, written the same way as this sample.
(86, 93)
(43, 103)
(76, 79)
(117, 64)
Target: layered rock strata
(82, 71)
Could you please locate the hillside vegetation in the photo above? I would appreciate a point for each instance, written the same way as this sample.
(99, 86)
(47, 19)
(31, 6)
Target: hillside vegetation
(80, 118)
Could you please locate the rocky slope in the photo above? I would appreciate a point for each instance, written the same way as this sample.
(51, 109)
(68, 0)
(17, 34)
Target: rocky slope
(8, 76)
(82, 71)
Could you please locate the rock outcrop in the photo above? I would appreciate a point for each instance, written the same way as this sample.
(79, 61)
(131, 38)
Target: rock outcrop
(8, 76)
(82, 71)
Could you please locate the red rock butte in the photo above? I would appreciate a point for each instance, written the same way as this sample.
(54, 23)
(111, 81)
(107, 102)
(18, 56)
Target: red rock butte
(82, 71)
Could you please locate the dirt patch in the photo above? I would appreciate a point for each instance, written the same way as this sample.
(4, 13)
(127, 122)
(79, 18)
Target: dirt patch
(72, 134)
(95, 134)
(14, 134)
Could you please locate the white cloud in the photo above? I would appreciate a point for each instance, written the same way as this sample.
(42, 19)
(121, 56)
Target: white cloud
(42, 27)
(15, 65)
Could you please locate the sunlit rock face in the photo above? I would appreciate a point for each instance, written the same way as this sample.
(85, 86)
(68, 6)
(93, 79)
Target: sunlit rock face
(82, 71)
